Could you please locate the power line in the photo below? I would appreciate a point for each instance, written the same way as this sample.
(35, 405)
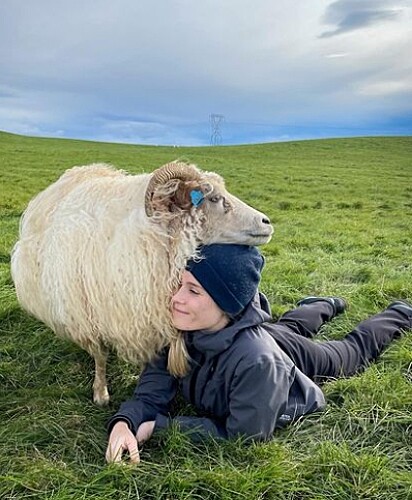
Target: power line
(216, 136)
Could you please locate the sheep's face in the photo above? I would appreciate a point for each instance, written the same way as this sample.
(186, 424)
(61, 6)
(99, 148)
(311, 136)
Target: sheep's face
(202, 199)
(230, 220)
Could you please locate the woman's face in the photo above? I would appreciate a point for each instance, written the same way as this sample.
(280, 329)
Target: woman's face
(194, 309)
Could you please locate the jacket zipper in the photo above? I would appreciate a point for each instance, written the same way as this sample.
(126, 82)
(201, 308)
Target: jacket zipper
(192, 388)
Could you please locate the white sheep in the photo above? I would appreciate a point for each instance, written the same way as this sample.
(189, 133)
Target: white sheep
(100, 253)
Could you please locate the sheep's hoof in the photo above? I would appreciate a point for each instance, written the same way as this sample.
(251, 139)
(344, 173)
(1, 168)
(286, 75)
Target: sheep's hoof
(101, 398)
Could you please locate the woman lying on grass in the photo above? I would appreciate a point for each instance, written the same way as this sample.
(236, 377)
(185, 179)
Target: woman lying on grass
(248, 376)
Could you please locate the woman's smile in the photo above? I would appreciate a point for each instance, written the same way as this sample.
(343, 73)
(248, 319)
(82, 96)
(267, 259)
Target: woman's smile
(178, 311)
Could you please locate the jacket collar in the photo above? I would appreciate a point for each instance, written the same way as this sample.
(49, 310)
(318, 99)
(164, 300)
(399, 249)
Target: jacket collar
(211, 344)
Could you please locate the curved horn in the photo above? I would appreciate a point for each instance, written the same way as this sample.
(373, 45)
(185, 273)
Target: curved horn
(163, 174)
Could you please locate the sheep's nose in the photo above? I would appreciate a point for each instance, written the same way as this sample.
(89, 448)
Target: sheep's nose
(266, 220)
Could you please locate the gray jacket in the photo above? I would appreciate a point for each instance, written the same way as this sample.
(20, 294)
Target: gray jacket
(240, 382)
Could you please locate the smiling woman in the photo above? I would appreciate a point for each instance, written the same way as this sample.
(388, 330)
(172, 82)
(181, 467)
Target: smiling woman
(248, 376)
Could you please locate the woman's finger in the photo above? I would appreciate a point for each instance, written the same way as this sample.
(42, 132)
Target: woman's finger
(133, 451)
(115, 451)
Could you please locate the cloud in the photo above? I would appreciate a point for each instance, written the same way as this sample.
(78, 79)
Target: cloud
(117, 129)
(350, 15)
(387, 88)
(152, 72)
(336, 56)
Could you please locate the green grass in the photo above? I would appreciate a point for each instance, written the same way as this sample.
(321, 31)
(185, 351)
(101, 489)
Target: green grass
(342, 214)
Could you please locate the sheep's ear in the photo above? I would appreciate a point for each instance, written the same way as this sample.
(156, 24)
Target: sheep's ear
(178, 195)
(187, 195)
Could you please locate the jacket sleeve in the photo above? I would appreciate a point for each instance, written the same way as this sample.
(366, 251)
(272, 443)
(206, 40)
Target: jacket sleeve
(155, 390)
(197, 428)
(258, 398)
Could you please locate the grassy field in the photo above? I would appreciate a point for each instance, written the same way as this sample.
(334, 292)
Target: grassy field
(342, 214)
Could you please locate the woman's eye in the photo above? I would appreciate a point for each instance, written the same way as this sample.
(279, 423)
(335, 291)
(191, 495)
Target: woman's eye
(195, 292)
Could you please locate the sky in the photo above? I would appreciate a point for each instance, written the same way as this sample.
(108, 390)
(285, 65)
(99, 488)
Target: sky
(153, 72)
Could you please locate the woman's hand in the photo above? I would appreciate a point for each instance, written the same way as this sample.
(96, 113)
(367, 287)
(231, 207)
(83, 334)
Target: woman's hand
(145, 431)
(121, 439)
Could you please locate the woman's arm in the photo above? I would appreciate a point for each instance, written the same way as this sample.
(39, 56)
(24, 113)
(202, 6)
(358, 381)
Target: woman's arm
(155, 390)
(257, 400)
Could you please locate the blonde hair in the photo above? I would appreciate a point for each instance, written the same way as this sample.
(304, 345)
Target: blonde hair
(178, 360)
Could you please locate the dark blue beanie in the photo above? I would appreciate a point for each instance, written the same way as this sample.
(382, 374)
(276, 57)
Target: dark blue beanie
(230, 274)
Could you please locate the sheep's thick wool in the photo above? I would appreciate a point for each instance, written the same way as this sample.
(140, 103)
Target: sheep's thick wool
(229, 273)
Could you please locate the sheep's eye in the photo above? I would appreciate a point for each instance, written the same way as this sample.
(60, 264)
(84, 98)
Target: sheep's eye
(215, 199)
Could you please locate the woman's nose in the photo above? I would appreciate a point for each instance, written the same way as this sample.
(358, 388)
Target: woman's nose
(177, 297)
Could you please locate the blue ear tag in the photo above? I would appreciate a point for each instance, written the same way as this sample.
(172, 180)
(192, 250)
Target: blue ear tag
(197, 197)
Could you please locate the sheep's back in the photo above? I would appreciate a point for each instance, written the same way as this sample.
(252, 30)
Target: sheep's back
(89, 264)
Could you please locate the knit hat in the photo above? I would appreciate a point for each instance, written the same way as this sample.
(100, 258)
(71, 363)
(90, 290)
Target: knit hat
(230, 274)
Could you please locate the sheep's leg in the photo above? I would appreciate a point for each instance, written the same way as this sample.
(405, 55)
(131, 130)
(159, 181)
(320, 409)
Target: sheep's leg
(100, 354)
(100, 392)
